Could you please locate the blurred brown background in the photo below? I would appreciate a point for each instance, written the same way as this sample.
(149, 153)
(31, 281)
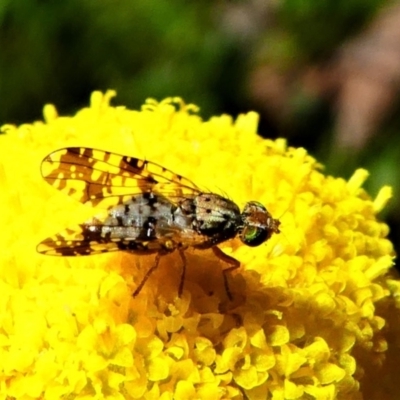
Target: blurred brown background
(324, 74)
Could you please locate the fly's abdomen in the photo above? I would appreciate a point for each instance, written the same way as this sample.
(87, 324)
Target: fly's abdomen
(147, 217)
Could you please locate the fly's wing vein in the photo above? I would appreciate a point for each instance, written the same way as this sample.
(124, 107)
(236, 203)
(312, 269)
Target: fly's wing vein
(105, 179)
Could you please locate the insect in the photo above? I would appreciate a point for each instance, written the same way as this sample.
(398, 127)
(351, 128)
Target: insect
(147, 209)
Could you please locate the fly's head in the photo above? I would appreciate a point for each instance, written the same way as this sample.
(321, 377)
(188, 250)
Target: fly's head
(257, 224)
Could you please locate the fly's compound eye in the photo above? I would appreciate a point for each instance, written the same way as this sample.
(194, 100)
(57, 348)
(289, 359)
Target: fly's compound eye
(254, 235)
(258, 224)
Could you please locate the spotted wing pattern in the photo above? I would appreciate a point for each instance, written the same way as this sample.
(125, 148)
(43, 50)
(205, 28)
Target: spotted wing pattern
(88, 239)
(105, 179)
(76, 241)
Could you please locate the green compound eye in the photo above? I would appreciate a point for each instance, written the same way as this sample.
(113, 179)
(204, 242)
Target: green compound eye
(254, 236)
(258, 224)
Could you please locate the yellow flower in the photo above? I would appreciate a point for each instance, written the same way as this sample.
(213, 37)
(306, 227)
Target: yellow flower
(315, 309)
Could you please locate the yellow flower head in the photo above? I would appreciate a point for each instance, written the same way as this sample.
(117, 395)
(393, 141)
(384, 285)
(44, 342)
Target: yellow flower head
(314, 311)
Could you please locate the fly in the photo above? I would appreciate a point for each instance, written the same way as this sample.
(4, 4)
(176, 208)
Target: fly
(149, 210)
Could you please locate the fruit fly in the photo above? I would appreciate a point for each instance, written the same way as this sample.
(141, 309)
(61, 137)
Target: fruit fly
(148, 210)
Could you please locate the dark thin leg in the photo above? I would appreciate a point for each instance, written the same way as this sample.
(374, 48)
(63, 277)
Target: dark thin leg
(149, 272)
(234, 264)
(182, 254)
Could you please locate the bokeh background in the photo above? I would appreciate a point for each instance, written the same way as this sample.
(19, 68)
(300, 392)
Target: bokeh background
(323, 74)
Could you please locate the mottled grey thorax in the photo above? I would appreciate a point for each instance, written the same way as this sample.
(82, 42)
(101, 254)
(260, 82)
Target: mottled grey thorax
(215, 217)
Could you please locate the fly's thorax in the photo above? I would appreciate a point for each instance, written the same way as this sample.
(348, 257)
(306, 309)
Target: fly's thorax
(216, 216)
(258, 225)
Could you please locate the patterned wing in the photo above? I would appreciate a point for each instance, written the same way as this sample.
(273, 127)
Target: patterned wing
(96, 237)
(75, 241)
(88, 239)
(105, 179)
(109, 181)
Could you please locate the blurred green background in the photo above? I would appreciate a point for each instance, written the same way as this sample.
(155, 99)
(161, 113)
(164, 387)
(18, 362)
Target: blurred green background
(324, 74)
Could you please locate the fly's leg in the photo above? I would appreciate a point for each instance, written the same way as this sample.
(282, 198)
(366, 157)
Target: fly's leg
(148, 273)
(234, 264)
(183, 258)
